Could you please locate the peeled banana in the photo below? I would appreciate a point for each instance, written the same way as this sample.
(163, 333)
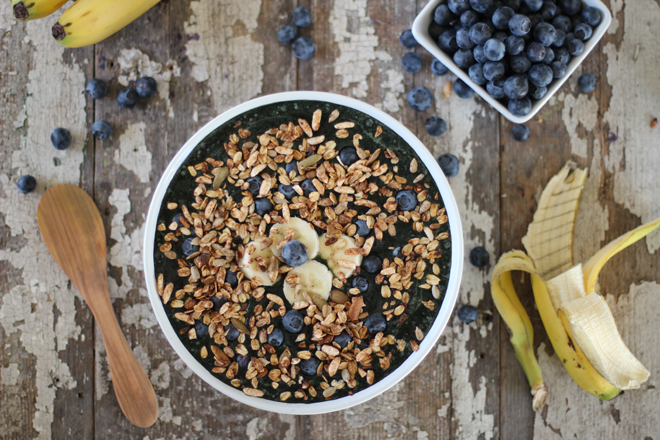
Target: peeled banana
(33, 9)
(88, 22)
(259, 262)
(296, 229)
(343, 256)
(311, 278)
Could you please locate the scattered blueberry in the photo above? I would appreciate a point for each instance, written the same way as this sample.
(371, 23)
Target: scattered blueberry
(420, 98)
(438, 68)
(61, 138)
(587, 82)
(26, 184)
(448, 164)
(188, 248)
(476, 74)
(362, 229)
(435, 126)
(407, 39)
(276, 337)
(479, 257)
(294, 253)
(96, 88)
(263, 206)
(494, 49)
(558, 69)
(458, 6)
(101, 129)
(201, 330)
(308, 187)
(291, 166)
(480, 33)
(612, 137)
(520, 133)
(254, 184)
(177, 219)
(375, 323)
(342, 339)
(361, 284)
(301, 17)
(576, 47)
(411, 62)
(462, 90)
(398, 253)
(287, 33)
(146, 87)
(243, 360)
(468, 314)
(310, 366)
(287, 191)
(464, 58)
(540, 75)
(536, 52)
(231, 278)
(570, 36)
(303, 48)
(218, 302)
(231, 332)
(516, 87)
(293, 321)
(502, 16)
(583, 31)
(570, 7)
(443, 16)
(127, 98)
(494, 70)
(520, 25)
(372, 264)
(520, 107)
(348, 156)
(591, 16)
(406, 200)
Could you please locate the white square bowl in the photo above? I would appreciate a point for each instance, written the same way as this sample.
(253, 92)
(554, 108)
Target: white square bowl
(420, 31)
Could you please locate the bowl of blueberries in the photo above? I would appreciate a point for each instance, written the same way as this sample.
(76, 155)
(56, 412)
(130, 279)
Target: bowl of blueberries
(514, 53)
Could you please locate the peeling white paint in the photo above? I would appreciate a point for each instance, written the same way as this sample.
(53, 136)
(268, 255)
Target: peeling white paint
(7, 20)
(102, 376)
(182, 368)
(160, 377)
(28, 309)
(135, 64)
(291, 421)
(10, 374)
(140, 315)
(384, 408)
(223, 51)
(579, 112)
(635, 102)
(393, 89)
(133, 153)
(257, 428)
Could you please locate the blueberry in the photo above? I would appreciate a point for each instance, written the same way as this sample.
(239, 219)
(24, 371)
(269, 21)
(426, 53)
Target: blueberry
(443, 16)
(516, 87)
(263, 206)
(501, 36)
(545, 33)
(540, 75)
(287, 191)
(513, 4)
(294, 253)
(591, 16)
(576, 47)
(101, 129)
(310, 366)
(127, 98)
(448, 164)
(464, 58)
(483, 6)
(563, 23)
(348, 156)
(494, 49)
(435, 30)
(243, 360)
(291, 166)
(520, 107)
(548, 11)
(420, 98)
(480, 33)
(520, 133)
(231, 278)
(587, 82)
(303, 48)
(533, 5)
(435, 126)
(469, 18)
(514, 45)
(231, 332)
(293, 321)
(536, 52)
(570, 7)
(447, 41)
(468, 314)
(375, 323)
(308, 187)
(287, 33)
(583, 31)
(301, 17)
(362, 229)
(479, 257)
(549, 56)
(218, 302)
(496, 89)
(177, 219)
(520, 25)
(558, 69)
(254, 184)
(438, 68)
(476, 74)
(462, 90)
(502, 16)
(276, 337)
(407, 39)
(188, 248)
(61, 138)
(494, 70)
(411, 62)
(478, 53)
(96, 88)
(463, 39)
(537, 92)
(458, 6)
(520, 63)
(560, 38)
(372, 264)
(406, 199)
(26, 184)
(361, 284)
(398, 253)
(568, 38)
(201, 330)
(342, 339)
(562, 55)
(146, 87)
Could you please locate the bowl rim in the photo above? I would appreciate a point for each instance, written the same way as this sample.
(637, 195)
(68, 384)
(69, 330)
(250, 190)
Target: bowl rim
(420, 32)
(427, 343)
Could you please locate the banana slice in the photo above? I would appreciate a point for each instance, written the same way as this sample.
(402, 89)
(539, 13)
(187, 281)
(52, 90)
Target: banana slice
(296, 229)
(339, 256)
(313, 278)
(259, 262)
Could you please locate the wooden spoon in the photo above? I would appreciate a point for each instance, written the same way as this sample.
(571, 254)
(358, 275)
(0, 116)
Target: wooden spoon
(73, 230)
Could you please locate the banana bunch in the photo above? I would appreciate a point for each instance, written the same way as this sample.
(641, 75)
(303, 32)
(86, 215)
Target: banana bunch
(577, 320)
(85, 22)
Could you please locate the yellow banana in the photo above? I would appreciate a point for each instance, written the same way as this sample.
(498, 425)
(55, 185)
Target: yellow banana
(33, 9)
(88, 22)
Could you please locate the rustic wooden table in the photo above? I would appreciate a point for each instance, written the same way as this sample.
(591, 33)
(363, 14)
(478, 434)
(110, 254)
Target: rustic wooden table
(209, 55)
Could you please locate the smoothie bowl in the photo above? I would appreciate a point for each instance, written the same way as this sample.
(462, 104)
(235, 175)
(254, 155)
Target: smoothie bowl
(303, 252)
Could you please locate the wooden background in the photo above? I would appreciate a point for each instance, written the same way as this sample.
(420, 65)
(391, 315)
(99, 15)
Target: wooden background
(209, 55)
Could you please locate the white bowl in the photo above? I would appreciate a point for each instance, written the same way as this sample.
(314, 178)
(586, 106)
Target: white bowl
(427, 343)
(420, 31)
